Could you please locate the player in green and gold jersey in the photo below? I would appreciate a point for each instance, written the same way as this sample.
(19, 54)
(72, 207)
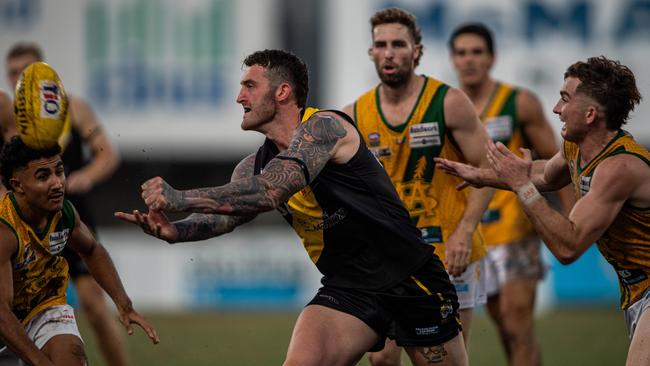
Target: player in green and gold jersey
(513, 264)
(407, 120)
(37, 325)
(610, 174)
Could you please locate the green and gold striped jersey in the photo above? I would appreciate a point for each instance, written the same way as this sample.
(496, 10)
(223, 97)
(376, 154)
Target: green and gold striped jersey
(626, 242)
(40, 273)
(407, 151)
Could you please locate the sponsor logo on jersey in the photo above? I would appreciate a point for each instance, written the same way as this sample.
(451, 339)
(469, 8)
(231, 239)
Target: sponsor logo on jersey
(585, 184)
(499, 128)
(424, 135)
(58, 239)
(631, 276)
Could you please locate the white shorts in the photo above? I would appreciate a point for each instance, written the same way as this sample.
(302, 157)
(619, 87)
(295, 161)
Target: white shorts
(470, 286)
(52, 321)
(518, 259)
(633, 313)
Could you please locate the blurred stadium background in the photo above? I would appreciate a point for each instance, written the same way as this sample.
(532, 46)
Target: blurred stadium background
(163, 76)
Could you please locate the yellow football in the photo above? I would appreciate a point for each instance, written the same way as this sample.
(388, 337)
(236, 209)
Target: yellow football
(40, 106)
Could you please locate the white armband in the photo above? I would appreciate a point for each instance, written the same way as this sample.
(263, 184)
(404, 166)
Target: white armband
(528, 193)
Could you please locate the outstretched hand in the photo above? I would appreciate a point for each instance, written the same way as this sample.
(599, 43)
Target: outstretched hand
(470, 174)
(511, 169)
(154, 223)
(131, 316)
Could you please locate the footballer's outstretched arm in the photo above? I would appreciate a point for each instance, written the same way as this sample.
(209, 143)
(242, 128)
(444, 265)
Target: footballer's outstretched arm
(313, 144)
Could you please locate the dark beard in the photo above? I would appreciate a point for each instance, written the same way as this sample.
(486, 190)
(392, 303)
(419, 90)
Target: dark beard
(396, 80)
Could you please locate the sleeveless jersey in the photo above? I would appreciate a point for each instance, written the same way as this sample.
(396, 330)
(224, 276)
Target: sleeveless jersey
(40, 273)
(504, 221)
(407, 153)
(352, 223)
(626, 243)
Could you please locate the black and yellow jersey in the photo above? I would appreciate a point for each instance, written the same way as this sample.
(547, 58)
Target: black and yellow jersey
(505, 220)
(626, 242)
(40, 273)
(352, 223)
(407, 151)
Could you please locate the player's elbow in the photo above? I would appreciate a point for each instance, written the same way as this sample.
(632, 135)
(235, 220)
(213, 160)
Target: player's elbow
(567, 255)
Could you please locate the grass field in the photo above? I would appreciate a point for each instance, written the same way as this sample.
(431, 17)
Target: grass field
(569, 337)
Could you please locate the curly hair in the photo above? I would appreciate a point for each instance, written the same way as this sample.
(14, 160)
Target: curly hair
(611, 84)
(282, 66)
(403, 17)
(15, 155)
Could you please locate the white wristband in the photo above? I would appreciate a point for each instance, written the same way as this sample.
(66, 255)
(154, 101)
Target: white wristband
(528, 193)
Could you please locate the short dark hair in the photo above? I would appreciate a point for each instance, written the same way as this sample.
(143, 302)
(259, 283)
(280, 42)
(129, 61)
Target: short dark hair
(478, 29)
(25, 48)
(611, 84)
(403, 17)
(282, 66)
(15, 155)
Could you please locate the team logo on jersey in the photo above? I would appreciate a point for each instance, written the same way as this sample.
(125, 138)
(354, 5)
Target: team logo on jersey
(499, 128)
(373, 139)
(58, 240)
(424, 135)
(585, 184)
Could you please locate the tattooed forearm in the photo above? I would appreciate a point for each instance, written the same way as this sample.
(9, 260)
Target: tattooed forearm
(312, 143)
(200, 226)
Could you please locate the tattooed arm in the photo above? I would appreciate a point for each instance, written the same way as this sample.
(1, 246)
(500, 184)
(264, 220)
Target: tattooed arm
(196, 226)
(322, 138)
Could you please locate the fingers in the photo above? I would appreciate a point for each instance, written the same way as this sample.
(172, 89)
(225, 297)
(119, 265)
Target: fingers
(462, 186)
(135, 318)
(125, 217)
(528, 156)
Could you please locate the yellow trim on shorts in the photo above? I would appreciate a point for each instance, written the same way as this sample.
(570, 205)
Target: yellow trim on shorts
(421, 285)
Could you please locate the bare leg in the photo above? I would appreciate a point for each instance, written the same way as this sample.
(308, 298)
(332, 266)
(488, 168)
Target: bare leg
(512, 310)
(466, 316)
(451, 353)
(324, 336)
(391, 355)
(105, 326)
(639, 352)
(65, 350)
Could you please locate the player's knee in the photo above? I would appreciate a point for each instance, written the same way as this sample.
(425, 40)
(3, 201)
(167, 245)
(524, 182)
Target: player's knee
(303, 359)
(78, 355)
(384, 359)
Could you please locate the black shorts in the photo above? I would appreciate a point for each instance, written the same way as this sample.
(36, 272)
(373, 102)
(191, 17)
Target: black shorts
(420, 311)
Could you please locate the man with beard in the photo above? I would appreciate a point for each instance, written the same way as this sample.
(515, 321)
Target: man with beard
(379, 278)
(610, 176)
(407, 121)
(513, 265)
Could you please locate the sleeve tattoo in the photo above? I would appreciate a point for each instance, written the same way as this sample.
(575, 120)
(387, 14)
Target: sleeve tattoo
(312, 143)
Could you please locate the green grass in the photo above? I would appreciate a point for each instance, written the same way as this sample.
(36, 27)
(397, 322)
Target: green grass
(568, 337)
